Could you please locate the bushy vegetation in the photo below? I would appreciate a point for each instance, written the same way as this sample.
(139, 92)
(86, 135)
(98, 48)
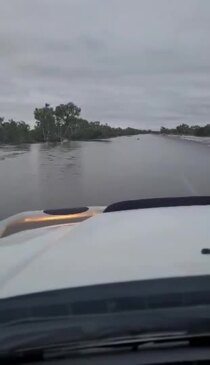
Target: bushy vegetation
(58, 124)
(185, 129)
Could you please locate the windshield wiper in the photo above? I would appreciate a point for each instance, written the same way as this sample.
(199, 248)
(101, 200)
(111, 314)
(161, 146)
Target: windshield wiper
(132, 342)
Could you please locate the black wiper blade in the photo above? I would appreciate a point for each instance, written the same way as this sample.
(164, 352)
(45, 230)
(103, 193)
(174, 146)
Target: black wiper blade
(133, 342)
(136, 341)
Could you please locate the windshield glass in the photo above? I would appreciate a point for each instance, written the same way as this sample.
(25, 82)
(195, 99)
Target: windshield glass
(87, 109)
(104, 169)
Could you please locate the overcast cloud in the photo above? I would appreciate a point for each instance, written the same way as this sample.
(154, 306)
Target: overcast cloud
(143, 63)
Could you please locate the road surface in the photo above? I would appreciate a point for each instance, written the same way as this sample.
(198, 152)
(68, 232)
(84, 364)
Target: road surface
(41, 176)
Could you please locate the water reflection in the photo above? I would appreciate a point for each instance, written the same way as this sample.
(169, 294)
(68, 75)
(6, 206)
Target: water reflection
(13, 151)
(40, 176)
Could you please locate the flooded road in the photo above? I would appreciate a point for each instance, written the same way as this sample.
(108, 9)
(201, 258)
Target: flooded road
(41, 176)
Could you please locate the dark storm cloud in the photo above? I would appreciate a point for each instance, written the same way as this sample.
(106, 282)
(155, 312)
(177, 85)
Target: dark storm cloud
(137, 62)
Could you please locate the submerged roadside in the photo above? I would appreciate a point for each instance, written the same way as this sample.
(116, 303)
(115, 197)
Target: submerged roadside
(203, 140)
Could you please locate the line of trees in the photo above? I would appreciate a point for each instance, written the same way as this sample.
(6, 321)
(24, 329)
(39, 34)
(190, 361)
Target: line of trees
(58, 124)
(185, 129)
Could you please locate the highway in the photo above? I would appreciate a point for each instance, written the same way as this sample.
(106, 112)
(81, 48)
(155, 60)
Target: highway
(40, 176)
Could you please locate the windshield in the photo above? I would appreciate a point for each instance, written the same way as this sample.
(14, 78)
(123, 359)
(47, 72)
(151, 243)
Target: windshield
(104, 170)
(76, 76)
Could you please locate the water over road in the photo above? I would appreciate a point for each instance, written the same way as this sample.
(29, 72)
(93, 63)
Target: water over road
(41, 176)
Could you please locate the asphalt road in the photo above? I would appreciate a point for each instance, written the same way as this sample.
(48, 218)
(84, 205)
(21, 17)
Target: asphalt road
(41, 176)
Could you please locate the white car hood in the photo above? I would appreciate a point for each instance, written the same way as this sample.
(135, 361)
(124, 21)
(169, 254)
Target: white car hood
(111, 247)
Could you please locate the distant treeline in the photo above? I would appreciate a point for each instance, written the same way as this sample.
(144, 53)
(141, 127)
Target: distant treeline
(185, 129)
(58, 124)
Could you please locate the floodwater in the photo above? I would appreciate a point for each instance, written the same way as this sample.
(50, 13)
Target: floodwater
(41, 176)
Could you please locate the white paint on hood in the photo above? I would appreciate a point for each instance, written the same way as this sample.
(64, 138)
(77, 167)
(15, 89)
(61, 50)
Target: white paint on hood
(111, 247)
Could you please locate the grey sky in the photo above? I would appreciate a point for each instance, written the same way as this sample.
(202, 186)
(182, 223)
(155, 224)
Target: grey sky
(143, 63)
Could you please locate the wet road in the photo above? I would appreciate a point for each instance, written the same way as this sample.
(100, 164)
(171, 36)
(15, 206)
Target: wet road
(41, 176)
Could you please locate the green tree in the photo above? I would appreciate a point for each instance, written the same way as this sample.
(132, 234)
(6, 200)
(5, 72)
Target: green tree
(163, 130)
(1, 130)
(66, 116)
(56, 124)
(45, 120)
(183, 129)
